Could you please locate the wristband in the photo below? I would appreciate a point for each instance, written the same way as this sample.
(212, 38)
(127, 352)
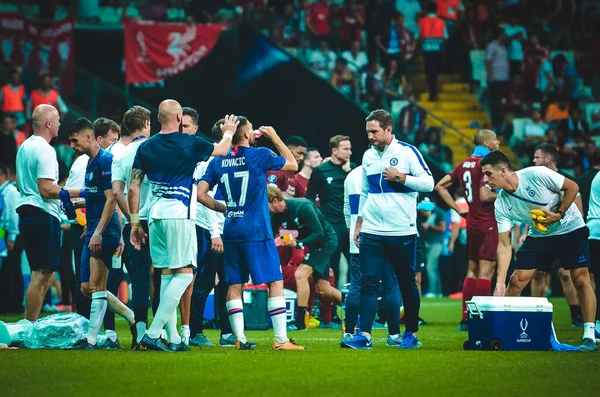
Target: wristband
(227, 135)
(134, 219)
(97, 234)
(64, 195)
(82, 193)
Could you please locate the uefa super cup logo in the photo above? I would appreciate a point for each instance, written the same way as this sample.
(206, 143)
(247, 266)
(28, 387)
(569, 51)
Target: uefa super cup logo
(524, 324)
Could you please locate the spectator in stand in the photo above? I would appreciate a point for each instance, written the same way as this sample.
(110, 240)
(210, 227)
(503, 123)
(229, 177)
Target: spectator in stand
(479, 26)
(567, 80)
(498, 71)
(345, 80)
(322, 61)
(411, 10)
(14, 98)
(356, 57)
(327, 183)
(351, 19)
(575, 126)
(517, 36)
(411, 121)
(377, 15)
(155, 10)
(449, 10)
(10, 139)
(317, 20)
(285, 180)
(46, 95)
(535, 130)
(286, 31)
(311, 161)
(432, 36)
(560, 22)
(533, 60)
(398, 44)
(558, 110)
(374, 91)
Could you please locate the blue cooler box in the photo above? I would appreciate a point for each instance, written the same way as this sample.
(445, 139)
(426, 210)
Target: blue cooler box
(509, 323)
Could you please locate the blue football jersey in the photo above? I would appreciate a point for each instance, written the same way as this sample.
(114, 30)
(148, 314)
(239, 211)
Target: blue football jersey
(241, 176)
(97, 181)
(169, 161)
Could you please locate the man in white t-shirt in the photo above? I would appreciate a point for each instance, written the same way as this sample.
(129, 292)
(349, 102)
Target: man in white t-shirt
(566, 236)
(76, 180)
(39, 208)
(135, 130)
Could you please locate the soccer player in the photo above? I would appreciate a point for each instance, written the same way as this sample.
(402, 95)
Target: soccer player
(314, 233)
(393, 174)
(38, 208)
(249, 249)
(312, 160)
(286, 180)
(103, 232)
(327, 184)
(561, 234)
(391, 292)
(136, 127)
(106, 135)
(169, 161)
(482, 231)
(545, 155)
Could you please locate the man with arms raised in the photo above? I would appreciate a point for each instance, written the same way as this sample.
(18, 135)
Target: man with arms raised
(482, 231)
(249, 248)
(561, 233)
(169, 161)
(38, 208)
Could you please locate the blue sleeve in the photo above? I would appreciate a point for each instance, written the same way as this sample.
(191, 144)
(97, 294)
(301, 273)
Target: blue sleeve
(210, 176)
(106, 170)
(269, 160)
(203, 148)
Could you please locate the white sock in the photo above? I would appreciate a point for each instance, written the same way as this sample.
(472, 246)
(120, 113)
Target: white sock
(235, 309)
(185, 330)
(115, 305)
(277, 311)
(141, 330)
(172, 333)
(588, 331)
(169, 300)
(97, 311)
(111, 334)
(395, 336)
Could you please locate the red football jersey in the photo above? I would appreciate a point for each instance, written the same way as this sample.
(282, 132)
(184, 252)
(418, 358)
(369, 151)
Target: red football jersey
(470, 177)
(285, 181)
(301, 185)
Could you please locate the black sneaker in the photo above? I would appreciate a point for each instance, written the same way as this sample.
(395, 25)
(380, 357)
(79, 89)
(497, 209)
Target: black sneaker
(112, 345)
(463, 326)
(422, 322)
(588, 345)
(245, 346)
(83, 344)
(157, 344)
(179, 347)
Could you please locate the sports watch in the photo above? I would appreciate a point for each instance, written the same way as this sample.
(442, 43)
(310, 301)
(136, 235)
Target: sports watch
(398, 177)
(561, 213)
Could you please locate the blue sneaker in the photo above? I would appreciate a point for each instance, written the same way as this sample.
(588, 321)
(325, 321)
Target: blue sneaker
(359, 341)
(346, 338)
(409, 341)
(157, 344)
(394, 342)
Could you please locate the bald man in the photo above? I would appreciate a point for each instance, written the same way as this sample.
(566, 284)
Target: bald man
(39, 208)
(482, 230)
(168, 160)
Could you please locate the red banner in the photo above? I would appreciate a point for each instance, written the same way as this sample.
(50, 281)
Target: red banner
(43, 49)
(155, 51)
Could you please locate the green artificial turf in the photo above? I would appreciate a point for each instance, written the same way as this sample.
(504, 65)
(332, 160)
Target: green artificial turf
(439, 368)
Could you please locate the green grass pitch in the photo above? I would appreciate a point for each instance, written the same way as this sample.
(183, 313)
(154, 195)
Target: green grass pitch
(440, 368)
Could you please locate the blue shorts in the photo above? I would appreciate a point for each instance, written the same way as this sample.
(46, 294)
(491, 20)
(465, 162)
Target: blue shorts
(257, 259)
(106, 256)
(41, 236)
(571, 249)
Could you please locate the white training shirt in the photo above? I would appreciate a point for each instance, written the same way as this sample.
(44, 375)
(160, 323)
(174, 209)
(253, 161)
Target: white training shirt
(121, 171)
(352, 191)
(593, 217)
(76, 179)
(208, 219)
(539, 187)
(36, 159)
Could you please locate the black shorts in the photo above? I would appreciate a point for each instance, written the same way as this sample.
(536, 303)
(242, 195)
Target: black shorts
(319, 257)
(570, 249)
(41, 236)
(595, 257)
(420, 256)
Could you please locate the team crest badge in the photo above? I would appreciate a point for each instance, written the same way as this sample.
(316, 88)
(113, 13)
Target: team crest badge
(394, 161)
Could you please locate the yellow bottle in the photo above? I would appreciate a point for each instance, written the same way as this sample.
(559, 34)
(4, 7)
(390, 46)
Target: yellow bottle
(80, 218)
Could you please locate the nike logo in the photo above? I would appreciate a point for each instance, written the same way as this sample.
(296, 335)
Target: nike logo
(369, 344)
(407, 242)
(581, 261)
(510, 208)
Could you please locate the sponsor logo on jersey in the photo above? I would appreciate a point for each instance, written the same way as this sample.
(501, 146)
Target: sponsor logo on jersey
(530, 191)
(329, 180)
(235, 214)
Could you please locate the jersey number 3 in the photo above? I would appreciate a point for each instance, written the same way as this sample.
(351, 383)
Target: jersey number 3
(243, 189)
(468, 186)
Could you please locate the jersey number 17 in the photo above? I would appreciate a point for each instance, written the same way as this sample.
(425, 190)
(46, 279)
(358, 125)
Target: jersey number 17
(244, 176)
